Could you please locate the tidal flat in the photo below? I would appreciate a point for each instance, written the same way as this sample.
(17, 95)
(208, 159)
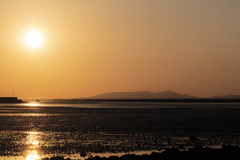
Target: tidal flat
(85, 130)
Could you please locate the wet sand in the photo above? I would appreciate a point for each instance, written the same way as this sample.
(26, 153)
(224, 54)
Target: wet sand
(116, 128)
(197, 153)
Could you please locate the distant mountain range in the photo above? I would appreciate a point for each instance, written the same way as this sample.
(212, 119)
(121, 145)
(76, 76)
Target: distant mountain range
(150, 95)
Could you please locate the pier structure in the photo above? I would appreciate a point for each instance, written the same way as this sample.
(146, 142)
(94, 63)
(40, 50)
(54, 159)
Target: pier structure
(10, 100)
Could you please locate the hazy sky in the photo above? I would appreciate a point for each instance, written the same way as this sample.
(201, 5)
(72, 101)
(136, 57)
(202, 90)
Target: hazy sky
(92, 47)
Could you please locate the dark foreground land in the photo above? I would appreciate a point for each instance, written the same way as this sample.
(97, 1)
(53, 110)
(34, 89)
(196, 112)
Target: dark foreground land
(197, 153)
(92, 129)
(10, 100)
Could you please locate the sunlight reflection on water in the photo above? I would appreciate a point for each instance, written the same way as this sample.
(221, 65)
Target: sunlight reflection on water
(32, 156)
(33, 145)
(32, 104)
(32, 139)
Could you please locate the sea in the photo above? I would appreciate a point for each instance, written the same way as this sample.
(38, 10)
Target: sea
(79, 130)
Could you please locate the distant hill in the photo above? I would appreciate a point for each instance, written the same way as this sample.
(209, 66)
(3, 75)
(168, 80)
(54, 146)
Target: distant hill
(143, 95)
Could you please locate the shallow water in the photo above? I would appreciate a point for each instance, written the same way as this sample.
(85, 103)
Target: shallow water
(37, 130)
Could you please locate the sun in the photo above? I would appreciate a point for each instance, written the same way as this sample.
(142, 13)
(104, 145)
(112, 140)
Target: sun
(33, 39)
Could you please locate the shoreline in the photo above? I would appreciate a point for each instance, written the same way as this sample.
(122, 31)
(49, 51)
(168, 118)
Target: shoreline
(10, 100)
(203, 100)
(196, 153)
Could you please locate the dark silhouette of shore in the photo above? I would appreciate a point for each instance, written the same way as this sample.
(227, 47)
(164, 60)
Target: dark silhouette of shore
(10, 100)
(200, 100)
(197, 153)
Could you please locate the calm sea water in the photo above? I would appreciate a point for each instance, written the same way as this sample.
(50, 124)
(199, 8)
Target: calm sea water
(71, 129)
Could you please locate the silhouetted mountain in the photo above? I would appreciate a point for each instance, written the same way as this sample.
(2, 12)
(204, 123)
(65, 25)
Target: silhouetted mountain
(226, 97)
(142, 95)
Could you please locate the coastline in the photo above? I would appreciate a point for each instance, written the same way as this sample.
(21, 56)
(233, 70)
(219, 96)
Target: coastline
(200, 100)
(196, 153)
(10, 100)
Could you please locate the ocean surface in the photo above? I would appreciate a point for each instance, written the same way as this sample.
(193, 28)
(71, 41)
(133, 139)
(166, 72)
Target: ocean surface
(79, 130)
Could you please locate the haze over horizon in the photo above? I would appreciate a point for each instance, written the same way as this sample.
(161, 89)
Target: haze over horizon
(93, 47)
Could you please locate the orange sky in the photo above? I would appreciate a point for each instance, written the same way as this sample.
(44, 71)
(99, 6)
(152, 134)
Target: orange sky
(92, 47)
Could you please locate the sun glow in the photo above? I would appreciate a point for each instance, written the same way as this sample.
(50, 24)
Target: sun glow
(33, 39)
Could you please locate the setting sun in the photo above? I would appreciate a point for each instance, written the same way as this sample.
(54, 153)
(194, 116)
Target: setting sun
(33, 39)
